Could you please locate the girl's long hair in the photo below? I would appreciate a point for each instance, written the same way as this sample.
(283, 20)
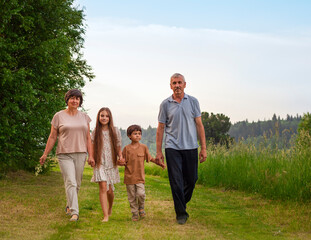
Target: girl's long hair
(98, 138)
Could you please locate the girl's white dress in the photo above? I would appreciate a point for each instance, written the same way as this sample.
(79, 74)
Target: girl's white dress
(107, 172)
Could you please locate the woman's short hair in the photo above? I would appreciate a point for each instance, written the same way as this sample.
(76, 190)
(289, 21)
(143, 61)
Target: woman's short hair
(74, 93)
(133, 128)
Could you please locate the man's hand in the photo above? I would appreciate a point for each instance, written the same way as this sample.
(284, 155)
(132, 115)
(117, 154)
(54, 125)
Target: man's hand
(202, 155)
(159, 157)
(159, 163)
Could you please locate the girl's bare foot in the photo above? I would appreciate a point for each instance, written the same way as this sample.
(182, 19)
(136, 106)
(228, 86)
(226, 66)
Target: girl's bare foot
(105, 219)
(109, 211)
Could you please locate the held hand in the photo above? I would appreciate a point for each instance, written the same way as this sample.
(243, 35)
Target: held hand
(203, 155)
(42, 159)
(91, 161)
(121, 162)
(159, 163)
(159, 157)
(162, 165)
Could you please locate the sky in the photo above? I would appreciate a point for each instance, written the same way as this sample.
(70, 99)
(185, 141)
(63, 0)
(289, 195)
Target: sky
(245, 59)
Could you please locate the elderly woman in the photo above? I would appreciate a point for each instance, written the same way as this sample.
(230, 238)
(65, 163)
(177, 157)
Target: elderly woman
(72, 129)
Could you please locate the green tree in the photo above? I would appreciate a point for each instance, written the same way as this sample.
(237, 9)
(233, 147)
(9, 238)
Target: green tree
(216, 127)
(304, 133)
(40, 59)
(305, 123)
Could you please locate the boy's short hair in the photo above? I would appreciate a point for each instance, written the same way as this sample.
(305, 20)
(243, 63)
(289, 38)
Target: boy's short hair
(133, 128)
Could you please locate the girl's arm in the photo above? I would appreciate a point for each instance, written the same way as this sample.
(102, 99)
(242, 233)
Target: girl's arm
(121, 155)
(121, 160)
(49, 145)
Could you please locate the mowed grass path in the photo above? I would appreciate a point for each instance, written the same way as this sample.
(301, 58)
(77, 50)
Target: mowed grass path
(33, 208)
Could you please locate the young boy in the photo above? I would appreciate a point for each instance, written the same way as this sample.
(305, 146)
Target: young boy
(135, 155)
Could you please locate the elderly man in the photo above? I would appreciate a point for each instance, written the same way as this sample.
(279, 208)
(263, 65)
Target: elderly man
(180, 118)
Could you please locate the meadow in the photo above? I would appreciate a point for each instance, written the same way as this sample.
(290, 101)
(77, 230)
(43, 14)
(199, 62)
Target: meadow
(244, 192)
(264, 169)
(283, 174)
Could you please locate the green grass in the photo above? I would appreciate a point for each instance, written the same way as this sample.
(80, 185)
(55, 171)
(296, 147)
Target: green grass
(33, 208)
(274, 173)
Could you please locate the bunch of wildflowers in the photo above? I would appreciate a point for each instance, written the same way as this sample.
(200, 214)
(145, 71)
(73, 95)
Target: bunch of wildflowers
(45, 167)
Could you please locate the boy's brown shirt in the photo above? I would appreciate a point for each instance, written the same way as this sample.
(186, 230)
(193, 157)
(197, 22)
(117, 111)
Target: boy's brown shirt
(135, 157)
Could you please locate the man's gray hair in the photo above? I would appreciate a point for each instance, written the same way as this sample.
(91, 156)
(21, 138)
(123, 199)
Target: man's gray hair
(178, 75)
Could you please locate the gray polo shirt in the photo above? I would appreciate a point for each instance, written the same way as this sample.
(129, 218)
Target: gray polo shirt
(180, 127)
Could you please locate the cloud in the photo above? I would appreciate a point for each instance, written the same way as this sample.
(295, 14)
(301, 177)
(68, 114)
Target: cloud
(242, 75)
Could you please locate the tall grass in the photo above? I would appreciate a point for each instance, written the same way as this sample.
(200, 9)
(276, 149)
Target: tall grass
(274, 173)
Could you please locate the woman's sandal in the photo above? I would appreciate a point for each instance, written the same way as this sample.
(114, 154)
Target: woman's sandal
(67, 210)
(74, 218)
(142, 213)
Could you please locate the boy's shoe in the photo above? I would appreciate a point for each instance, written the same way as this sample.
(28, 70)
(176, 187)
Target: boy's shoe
(135, 217)
(142, 213)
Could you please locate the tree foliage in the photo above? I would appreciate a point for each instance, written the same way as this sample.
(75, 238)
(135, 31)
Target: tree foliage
(216, 127)
(305, 123)
(40, 59)
(304, 132)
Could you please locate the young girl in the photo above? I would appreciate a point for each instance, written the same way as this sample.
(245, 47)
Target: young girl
(106, 148)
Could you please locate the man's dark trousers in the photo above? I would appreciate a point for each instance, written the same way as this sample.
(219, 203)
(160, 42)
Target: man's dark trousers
(182, 166)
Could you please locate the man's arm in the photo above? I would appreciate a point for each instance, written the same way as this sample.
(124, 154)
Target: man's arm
(159, 140)
(201, 133)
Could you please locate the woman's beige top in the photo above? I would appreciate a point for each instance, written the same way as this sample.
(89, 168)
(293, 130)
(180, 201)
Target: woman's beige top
(71, 131)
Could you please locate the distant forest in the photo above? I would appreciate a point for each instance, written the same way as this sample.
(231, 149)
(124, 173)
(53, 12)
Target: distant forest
(276, 127)
(148, 138)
